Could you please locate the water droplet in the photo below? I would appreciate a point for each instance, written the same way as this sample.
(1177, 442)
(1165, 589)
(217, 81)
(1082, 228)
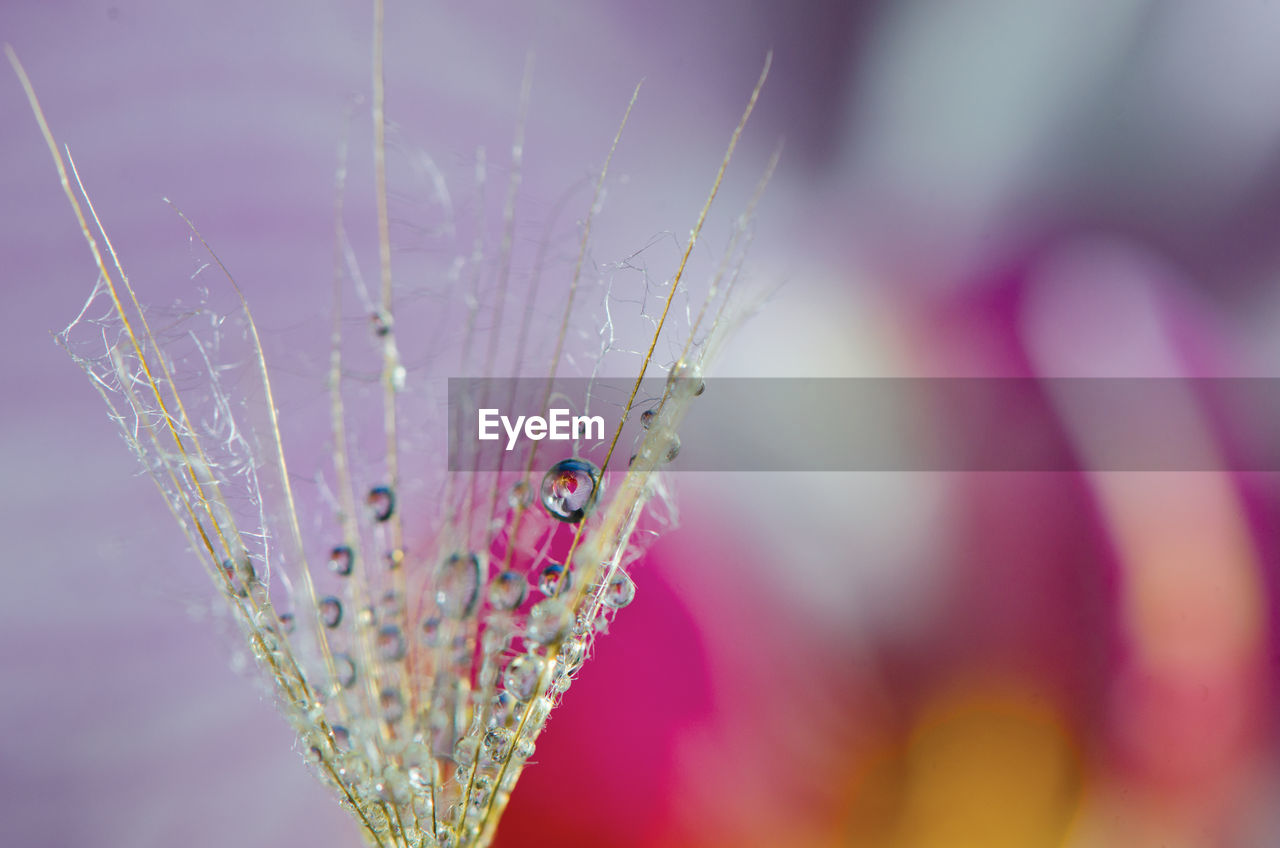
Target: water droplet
(431, 631)
(673, 447)
(480, 792)
(521, 676)
(519, 498)
(682, 370)
(465, 749)
(560, 679)
(381, 502)
(524, 749)
(239, 577)
(496, 742)
(503, 708)
(390, 605)
(554, 580)
(458, 585)
(345, 670)
(341, 738)
(381, 322)
(392, 706)
(549, 620)
(341, 560)
(646, 418)
(538, 712)
(508, 590)
(569, 489)
(330, 611)
(390, 643)
(287, 623)
(619, 591)
(573, 652)
(420, 778)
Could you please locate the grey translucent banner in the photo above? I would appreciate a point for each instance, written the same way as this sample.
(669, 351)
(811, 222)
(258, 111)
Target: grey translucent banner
(983, 424)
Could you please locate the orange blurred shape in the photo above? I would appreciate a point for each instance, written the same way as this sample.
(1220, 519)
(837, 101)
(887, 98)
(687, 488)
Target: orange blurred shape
(985, 767)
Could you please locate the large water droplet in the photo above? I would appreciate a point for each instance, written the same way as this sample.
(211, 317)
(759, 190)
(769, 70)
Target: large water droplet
(508, 590)
(554, 580)
(341, 560)
(457, 585)
(330, 611)
(496, 742)
(569, 489)
(619, 591)
(390, 643)
(521, 676)
(381, 502)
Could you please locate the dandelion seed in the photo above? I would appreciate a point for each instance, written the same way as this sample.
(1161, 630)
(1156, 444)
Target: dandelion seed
(394, 666)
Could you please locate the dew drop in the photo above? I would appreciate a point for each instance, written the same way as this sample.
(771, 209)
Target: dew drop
(239, 577)
(341, 560)
(392, 706)
(554, 580)
(496, 742)
(431, 631)
(390, 643)
(341, 738)
(519, 498)
(524, 749)
(646, 418)
(538, 712)
(345, 669)
(673, 448)
(330, 611)
(549, 620)
(682, 370)
(503, 708)
(465, 749)
(619, 591)
(508, 590)
(458, 585)
(480, 792)
(569, 489)
(573, 653)
(381, 502)
(521, 676)
(390, 606)
(381, 322)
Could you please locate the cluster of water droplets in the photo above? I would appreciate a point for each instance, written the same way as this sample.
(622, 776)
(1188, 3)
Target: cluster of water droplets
(438, 684)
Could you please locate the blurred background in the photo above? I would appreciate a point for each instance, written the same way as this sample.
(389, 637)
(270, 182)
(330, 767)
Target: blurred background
(1086, 188)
